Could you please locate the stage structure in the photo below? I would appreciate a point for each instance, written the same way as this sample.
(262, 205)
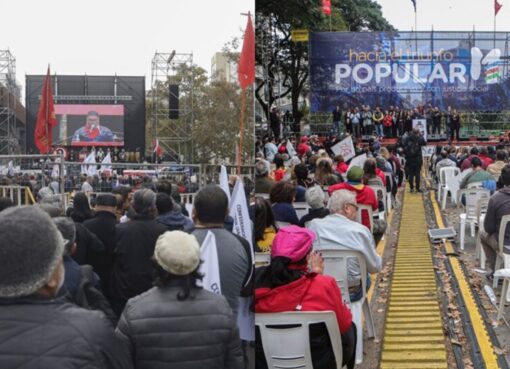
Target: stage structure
(105, 111)
(12, 112)
(468, 71)
(171, 99)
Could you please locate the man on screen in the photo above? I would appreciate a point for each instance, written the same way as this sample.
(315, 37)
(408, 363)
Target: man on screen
(93, 131)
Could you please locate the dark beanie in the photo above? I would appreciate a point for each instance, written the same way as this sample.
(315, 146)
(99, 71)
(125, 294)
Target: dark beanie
(106, 200)
(30, 249)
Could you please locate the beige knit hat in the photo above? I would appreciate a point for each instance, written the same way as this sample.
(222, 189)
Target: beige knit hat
(177, 252)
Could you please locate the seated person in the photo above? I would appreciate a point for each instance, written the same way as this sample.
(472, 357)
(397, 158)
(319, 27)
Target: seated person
(287, 285)
(282, 195)
(478, 174)
(265, 227)
(315, 198)
(339, 230)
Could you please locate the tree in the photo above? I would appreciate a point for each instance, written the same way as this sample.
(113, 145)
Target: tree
(284, 63)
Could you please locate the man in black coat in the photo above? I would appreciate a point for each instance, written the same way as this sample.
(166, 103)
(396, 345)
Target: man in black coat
(135, 241)
(414, 159)
(40, 329)
(103, 226)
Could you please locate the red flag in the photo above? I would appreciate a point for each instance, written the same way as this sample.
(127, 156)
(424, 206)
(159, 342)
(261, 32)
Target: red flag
(157, 148)
(46, 118)
(326, 7)
(497, 6)
(246, 68)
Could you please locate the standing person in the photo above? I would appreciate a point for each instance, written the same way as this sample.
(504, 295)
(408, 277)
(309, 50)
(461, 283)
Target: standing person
(135, 241)
(337, 117)
(270, 149)
(355, 119)
(348, 124)
(398, 125)
(366, 115)
(436, 121)
(378, 122)
(414, 159)
(40, 329)
(448, 117)
(388, 123)
(192, 328)
(455, 119)
(275, 122)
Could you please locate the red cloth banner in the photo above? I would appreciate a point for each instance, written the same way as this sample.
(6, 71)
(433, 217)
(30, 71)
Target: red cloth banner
(246, 68)
(326, 7)
(46, 118)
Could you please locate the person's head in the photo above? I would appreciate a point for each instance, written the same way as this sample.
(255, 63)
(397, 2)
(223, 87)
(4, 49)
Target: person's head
(501, 155)
(81, 207)
(5, 202)
(164, 203)
(144, 202)
(122, 194)
(369, 168)
(32, 249)
(301, 172)
(505, 175)
(484, 151)
(314, 196)
(264, 217)
(355, 174)
(278, 161)
(177, 258)
(282, 192)
(52, 210)
(476, 163)
(474, 151)
(67, 229)
(343, 202)
(210, 205)
(384, 152)
(444, 154)
(92, 120)
(261, 169)
(106, 202)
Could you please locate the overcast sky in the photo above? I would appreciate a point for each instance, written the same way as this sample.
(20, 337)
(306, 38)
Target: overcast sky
(103, 37)
(447, 15)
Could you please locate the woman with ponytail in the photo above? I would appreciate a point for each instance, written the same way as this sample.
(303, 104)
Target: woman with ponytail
(293, 281)
(177, 324)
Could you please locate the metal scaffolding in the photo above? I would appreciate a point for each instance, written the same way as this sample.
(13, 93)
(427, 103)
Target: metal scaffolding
(9, 101)
(174, 135)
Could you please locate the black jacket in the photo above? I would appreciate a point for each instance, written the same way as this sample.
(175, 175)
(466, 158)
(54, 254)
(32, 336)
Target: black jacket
(414, 156)
(163, 332)
(48, 334)
(103, 226)
(132, 266)
(87, 244)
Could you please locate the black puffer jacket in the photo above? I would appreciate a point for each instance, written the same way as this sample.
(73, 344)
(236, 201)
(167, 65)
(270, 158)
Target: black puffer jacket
(164, 332)
(49, 334)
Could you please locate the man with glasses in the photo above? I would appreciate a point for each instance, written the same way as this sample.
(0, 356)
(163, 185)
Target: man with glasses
(339, 230)
(93, 131)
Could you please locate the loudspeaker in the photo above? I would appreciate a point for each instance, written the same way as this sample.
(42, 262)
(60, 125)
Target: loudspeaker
(173, 101)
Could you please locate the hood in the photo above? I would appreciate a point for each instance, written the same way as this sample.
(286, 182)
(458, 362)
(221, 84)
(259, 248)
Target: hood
(175, 219)
(355, 187)
(505, 190)
(282, 298)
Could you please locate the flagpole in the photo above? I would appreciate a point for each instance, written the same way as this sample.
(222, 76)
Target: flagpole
(47, 120)
(494, 29)
(241, 131)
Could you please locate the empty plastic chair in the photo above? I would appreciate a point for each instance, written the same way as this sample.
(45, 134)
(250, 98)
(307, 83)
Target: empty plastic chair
(301, 208)
(469, 215)
(501, 256)
(481, 210)
(445, 174)
(286, 339)
(365, 208)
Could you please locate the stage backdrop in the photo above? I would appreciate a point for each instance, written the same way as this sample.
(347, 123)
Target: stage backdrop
(125, 119)
(465, 70)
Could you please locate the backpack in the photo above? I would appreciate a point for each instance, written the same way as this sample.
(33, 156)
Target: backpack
(413, 148)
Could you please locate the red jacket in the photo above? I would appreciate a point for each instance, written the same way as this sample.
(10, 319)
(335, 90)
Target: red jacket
(364, 195)
(313, 292)
(388, 120)
(342, 168)
(379, 173)
(486, 160)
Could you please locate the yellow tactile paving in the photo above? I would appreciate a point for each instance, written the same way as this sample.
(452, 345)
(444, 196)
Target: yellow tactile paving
(413, 335)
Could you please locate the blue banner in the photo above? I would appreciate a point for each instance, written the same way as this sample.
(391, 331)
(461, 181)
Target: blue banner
(464, 70)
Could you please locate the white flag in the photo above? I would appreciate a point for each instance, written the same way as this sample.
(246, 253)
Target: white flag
(10, 169)
(210, 266)
(224, 181)
(358, 161)
(55, 172)
(90, 170)
(290, 149)
(107, 160)
(344, 148)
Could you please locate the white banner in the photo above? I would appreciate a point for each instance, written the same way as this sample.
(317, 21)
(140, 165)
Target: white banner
(358, 161)
(210, 266)
(428, 150)
(224, 181)
(344, 148)
(290, 149)
(104, 163)
(89, 170)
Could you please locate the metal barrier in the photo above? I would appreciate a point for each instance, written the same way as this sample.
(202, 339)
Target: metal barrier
(20, 195)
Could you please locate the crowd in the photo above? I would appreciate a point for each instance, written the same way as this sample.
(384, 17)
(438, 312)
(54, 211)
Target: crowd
(117, 284)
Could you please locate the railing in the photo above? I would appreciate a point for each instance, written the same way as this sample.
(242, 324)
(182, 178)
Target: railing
(20, 195)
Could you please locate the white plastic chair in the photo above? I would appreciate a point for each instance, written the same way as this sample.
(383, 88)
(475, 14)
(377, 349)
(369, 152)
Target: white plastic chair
(336, 265)
(481, 210)
(445, 174)
(262, 258)
(301, 208)
(470, 215)
(505, 274)
(501, 256)
(368, 209)
(282, 224)
(384, 196)
(475, 185)
(286, 339)
(389, 198)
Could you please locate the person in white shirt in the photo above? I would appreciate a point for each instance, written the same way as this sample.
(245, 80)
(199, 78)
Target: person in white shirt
(339, 230)
(87, 185)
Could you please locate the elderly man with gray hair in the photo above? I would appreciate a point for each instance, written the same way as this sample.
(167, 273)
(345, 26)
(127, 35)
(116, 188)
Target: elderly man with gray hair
(339, 230)
(135, 241)
(39, 328)
(315, 197)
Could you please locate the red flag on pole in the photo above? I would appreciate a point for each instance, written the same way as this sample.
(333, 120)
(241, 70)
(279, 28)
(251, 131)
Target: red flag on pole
(497, 7)
(46, 118)
(326, 7)
(246, 68)
(157, 148)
